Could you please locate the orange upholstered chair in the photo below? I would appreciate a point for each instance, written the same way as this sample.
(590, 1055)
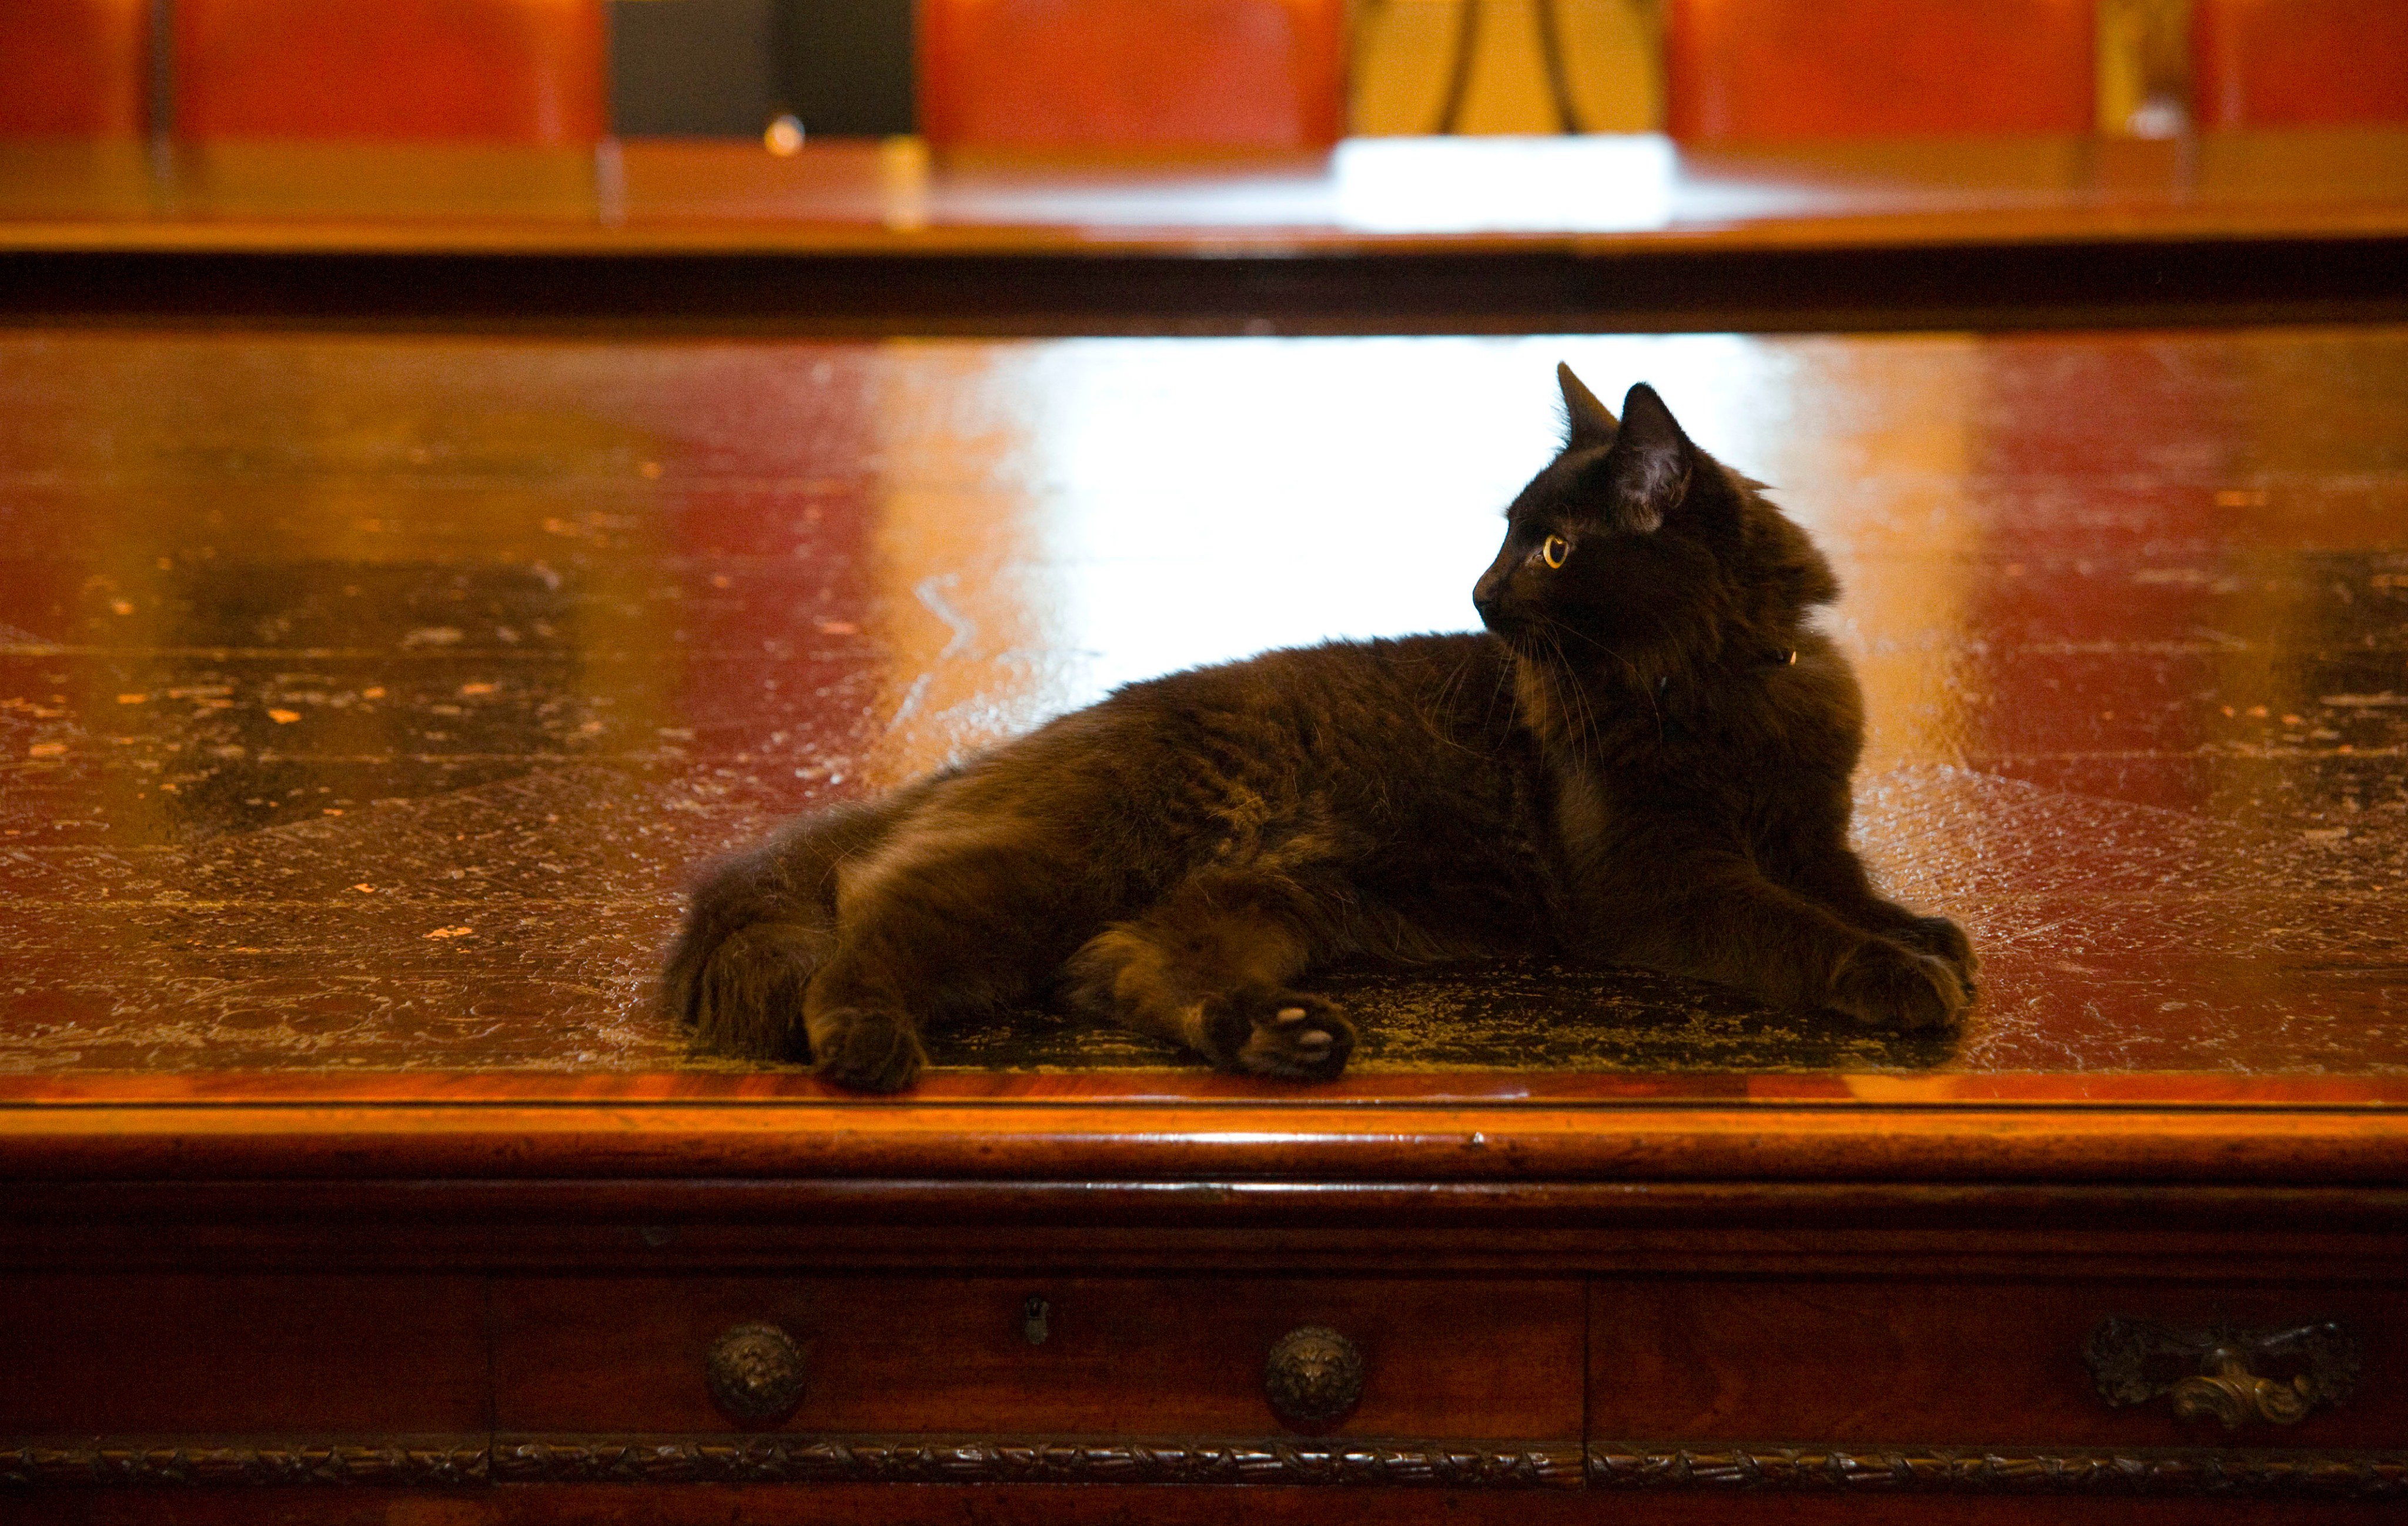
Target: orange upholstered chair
(1264, 73)
(1738, 70)
(2299, 63)
(519, 71)
(75, 68)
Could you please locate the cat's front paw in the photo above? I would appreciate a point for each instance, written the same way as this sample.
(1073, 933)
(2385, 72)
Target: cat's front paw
(1886, 986)
(1263, 1030)
(866, 1048)
(1940, 936)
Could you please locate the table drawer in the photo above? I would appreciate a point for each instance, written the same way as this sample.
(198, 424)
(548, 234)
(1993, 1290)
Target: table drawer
(1469, 1360)
(1956, 1364)
(129, 1354)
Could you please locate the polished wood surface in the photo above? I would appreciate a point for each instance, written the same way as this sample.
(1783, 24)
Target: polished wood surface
(1396, 194)
(1392, 1143)
(371, 697)
(1611, 235)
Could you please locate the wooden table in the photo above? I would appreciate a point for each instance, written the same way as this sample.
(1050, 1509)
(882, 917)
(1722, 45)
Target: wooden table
(1599, 234)
(364, 696)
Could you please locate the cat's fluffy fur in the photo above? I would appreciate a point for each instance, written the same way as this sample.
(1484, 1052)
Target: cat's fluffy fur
(1646, 761)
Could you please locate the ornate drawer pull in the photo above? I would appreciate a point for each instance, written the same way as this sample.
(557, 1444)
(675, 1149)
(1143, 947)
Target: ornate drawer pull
(2214, 1373)
(755, 1373)
(1312, 1375)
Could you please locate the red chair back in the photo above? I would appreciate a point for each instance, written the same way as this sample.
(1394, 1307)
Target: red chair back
(1239, 74)
(514, 71)
(1740, 70)
(2299, 63)
(75, 68)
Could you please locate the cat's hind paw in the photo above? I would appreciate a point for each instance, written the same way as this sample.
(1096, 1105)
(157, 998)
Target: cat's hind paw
(1262, 1030)
(745, 996)
(867, 1050)
(1886, 986)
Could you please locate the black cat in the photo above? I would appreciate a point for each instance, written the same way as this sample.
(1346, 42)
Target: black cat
(1646, 761)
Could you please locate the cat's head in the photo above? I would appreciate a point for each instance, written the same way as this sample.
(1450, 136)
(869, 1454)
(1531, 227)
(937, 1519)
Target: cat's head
(1635, 552)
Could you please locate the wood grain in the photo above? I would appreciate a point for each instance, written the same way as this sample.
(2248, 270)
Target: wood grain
(1298, 1142)
(689, 1226)
(134, 1354)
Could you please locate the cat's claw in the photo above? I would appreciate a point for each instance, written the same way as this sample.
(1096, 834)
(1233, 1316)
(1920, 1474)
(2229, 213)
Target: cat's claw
(867, 1050)
(1288, 1034)
(1887, 985)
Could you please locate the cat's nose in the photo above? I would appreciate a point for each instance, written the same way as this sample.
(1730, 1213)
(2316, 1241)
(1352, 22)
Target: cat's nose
(1483, 599)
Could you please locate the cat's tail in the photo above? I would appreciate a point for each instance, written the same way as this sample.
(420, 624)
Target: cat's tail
(758, 926)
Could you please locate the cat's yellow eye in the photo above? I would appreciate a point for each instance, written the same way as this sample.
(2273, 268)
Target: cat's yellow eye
(1554, 549)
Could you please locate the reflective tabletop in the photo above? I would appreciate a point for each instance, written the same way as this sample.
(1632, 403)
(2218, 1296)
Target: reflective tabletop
(365, 699)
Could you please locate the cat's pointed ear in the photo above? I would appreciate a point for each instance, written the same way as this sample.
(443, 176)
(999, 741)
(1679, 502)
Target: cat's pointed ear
(1585, 420)
(1648, 469)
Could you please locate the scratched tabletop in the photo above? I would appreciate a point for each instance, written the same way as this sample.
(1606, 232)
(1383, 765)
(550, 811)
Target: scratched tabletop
(365, 699)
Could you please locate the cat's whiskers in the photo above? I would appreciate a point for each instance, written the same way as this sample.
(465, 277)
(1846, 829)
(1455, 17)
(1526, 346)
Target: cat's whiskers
(1638, 679)
(1568, 712)
(1433, 715)
(1505, 687)
(1583, 710)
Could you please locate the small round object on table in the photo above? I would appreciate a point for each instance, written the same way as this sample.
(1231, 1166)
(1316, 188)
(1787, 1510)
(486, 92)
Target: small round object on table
(755, 1373)
(1312, 1375)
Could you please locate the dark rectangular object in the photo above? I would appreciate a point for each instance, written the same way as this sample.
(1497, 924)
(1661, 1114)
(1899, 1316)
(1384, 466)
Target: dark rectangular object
(846, 66)
(691, 68)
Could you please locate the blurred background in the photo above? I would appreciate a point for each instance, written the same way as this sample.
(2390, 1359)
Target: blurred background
(1228, 74)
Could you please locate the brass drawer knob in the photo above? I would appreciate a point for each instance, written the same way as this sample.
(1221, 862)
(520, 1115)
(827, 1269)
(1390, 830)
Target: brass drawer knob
(2219, 1374)
(755, 1373)
(1312, 1375)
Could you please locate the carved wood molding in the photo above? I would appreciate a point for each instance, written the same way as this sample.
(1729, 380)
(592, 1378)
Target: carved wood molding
(414, 1462)
(437, 1461)
(972, 1461)
(2358, 1476)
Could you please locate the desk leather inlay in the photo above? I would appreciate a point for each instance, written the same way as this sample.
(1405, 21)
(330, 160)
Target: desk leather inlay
(599, 610)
